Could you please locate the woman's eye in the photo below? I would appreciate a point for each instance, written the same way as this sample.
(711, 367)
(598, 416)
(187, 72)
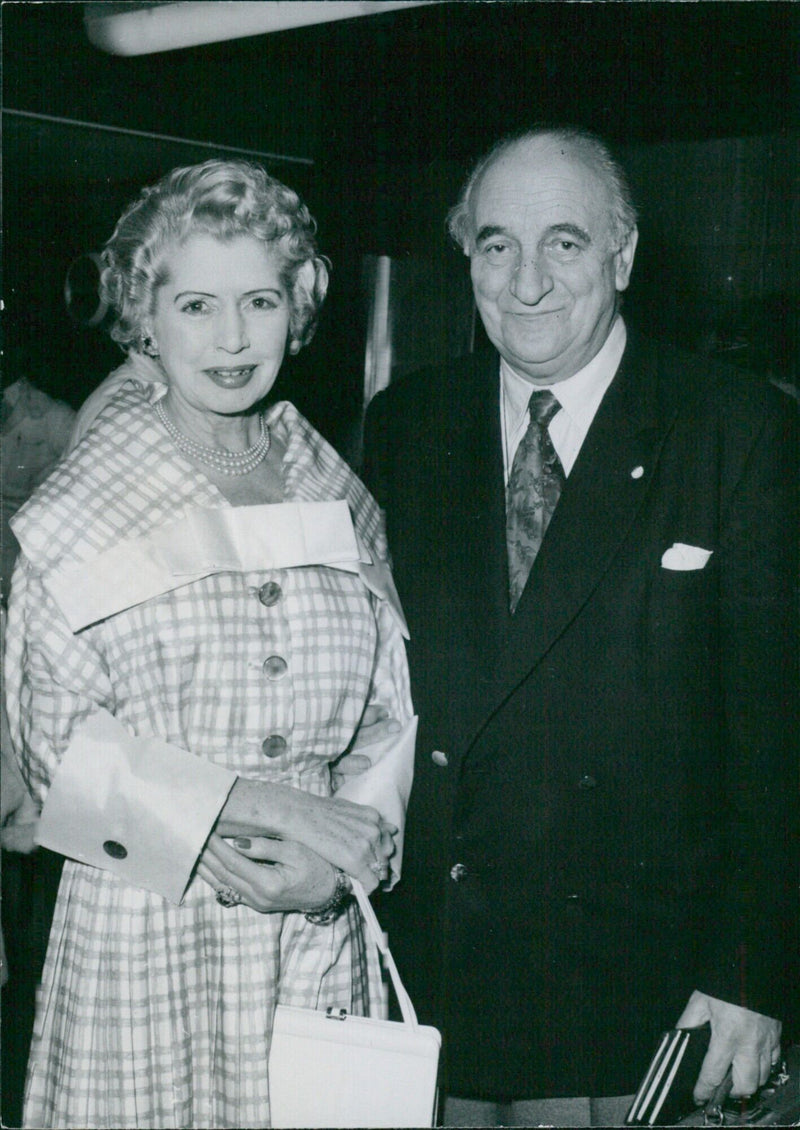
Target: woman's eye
(195, 306)
(262, 302)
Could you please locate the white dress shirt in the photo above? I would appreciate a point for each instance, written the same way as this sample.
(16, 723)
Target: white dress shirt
(578, 395)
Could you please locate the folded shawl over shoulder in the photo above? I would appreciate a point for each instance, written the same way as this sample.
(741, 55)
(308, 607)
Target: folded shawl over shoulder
(124, 483)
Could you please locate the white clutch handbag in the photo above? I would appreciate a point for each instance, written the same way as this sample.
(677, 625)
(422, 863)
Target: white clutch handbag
(332, 1069)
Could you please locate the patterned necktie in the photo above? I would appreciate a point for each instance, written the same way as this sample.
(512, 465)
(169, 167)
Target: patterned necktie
(534, 486)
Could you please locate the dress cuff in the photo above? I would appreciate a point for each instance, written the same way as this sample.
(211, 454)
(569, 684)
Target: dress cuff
(386, 785)
(135, 806)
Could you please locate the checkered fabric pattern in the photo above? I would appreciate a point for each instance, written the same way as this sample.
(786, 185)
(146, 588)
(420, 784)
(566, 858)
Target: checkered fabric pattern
(154, 1015)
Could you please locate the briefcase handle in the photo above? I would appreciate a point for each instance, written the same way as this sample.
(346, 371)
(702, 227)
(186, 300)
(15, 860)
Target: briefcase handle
(377, 935)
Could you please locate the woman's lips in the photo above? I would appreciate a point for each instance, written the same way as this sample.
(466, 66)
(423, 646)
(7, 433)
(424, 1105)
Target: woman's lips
(231, 376)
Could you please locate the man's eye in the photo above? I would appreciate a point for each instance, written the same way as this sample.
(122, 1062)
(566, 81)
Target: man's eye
(495, 252)
(565, 248)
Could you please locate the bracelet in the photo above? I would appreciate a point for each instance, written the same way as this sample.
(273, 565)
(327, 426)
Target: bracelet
(335, 904)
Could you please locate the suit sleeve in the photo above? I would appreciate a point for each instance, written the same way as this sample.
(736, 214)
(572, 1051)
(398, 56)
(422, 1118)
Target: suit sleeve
(752, 953)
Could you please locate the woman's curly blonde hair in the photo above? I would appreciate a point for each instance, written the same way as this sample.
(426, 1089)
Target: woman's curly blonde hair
(224, 199)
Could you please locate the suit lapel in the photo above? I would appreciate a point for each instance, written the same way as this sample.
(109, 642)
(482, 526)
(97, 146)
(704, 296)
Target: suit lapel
(600, 500)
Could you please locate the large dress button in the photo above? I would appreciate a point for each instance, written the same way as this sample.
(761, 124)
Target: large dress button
(439, 758)
(458, 872)
(114, 849)
(270, 593)
(275, 667)
(273, 746)
(587, 781)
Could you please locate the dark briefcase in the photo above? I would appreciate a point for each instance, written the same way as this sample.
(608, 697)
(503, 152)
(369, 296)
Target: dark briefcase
(664, 1097)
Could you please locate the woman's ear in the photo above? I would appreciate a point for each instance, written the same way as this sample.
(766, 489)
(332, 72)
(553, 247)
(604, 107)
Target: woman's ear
(149, 343)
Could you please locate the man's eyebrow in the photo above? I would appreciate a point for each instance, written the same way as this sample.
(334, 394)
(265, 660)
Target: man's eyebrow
(489, 230)
(570, 229)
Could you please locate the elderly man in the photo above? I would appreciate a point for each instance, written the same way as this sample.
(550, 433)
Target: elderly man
(594, 539)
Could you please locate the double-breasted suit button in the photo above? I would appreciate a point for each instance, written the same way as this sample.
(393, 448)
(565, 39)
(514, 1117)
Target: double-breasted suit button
(458, 872)
(275, 667)
(270, 593)
(115, 849)
(273, 746)
(439, 758)
(587, 781)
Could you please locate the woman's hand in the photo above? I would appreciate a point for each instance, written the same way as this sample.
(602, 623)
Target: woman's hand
(375, 726)
(291, 876)
(347, 766)
(351, 836)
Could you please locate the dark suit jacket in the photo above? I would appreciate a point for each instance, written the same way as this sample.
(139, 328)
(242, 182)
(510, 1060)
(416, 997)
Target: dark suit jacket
(621, 753)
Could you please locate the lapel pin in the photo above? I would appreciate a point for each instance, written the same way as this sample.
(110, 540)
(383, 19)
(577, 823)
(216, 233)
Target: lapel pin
(637, 472)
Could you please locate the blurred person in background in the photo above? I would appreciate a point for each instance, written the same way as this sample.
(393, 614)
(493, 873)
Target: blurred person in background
(34, 430)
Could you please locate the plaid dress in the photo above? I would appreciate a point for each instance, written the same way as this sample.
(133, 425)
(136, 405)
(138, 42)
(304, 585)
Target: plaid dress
(151, 1014)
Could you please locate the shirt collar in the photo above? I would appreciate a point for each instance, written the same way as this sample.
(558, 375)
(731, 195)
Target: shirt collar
(580, 394)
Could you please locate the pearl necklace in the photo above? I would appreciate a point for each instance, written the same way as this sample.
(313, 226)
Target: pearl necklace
(226, 462)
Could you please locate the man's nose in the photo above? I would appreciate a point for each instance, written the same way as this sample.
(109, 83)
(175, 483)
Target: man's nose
(530, 281)
(231, 330)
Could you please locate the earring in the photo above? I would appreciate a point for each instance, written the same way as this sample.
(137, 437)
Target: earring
(150, 347)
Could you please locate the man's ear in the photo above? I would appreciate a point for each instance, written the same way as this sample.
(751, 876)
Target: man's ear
(623, 259)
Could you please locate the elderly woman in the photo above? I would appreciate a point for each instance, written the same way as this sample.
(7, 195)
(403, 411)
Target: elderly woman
(202, 622)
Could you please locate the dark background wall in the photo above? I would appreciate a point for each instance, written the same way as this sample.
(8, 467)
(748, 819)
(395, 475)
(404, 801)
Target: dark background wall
(376, 120)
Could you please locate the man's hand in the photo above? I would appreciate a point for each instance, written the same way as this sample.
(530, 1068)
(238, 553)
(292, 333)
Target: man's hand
(745, 1040)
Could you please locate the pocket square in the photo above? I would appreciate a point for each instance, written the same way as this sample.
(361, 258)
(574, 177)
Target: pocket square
(685, 557)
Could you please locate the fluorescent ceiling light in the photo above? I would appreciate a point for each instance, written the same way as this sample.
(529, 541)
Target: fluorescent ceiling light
(143, 28)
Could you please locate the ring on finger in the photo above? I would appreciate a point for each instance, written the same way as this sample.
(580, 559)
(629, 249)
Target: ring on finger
(227, 896)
